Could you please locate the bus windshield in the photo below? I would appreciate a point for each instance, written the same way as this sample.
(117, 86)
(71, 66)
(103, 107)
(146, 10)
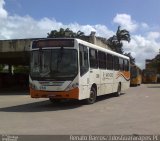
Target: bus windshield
(150, 73)
(134, 72)
(54, 64)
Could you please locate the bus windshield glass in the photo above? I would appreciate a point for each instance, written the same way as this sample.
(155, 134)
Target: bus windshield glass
(54, 64)
(134, 72)
(150, 73)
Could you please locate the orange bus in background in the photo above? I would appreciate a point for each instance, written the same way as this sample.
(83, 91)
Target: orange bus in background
(136, 75)
(149, 76)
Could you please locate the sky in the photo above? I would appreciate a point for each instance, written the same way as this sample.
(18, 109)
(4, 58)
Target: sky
(35, 18)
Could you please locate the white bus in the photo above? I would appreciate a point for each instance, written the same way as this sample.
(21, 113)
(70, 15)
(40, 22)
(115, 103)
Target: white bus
(75, 69)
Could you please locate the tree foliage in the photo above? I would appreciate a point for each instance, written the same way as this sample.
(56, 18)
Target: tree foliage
(123, 35)
(115, 42)
(64, 33)
(1, 67)
(21, 69)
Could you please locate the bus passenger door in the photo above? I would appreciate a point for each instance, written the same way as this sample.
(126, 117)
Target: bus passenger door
(94, 73)
(84, 72)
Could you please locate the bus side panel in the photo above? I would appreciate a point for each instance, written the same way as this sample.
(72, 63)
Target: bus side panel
(94, 78)
(125, 85)
(84, 88)
(106, 81)
(116, 80)
(123, 78)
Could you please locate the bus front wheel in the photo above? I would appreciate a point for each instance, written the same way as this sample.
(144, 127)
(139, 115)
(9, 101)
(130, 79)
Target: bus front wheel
(93, 96)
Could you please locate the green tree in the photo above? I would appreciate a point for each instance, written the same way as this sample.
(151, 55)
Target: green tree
(115, 45)
(123, 35)
(64, 33)
(1, 67)
(115, 42)
(21, 69)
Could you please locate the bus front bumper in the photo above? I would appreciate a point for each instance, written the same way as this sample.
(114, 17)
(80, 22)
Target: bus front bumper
(71, 94)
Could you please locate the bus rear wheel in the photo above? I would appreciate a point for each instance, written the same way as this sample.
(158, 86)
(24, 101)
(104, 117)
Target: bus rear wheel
(93, 96)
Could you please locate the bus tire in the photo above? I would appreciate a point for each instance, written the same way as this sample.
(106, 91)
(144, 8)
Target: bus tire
(93, 96)
(118, 93)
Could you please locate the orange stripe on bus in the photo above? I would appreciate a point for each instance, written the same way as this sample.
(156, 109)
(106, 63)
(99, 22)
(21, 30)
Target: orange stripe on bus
(71, 94)
(124, 74)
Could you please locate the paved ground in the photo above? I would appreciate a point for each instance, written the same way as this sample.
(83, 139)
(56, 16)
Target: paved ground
(135, 112)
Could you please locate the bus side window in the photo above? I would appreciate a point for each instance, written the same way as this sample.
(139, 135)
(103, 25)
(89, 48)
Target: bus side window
(109, 62)
(93, 58)
(121, 64)
(102, 60)
(83, 57)
(126, 65)
(116, 63)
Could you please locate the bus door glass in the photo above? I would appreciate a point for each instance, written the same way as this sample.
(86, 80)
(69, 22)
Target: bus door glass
(94, 70)
(84, 70)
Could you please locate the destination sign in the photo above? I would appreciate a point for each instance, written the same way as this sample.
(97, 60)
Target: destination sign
(53, 43)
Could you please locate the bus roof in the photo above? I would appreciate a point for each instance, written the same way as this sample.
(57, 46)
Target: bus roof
(101, 48)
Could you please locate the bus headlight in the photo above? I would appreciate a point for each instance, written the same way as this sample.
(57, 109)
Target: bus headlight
(72, 86)
(33, 86)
